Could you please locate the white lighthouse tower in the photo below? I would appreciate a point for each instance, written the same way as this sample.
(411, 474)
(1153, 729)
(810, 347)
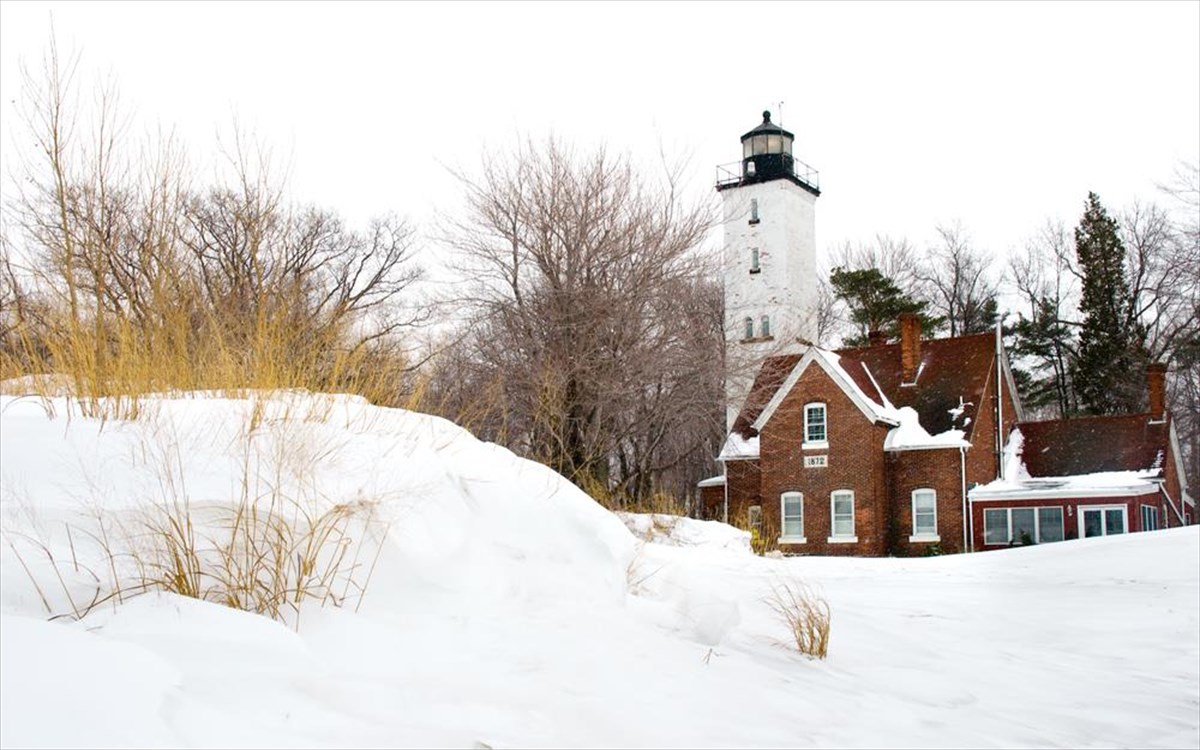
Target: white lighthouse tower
(770, 256)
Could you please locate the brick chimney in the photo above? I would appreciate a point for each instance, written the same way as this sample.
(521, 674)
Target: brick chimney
(875, 338)
(1156, 382)
(910, 346)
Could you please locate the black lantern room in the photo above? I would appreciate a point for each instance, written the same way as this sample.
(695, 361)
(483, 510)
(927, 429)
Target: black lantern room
(767, 155)
(766, 152)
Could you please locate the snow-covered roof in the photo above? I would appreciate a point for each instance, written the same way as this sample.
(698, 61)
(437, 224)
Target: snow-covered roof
(738, 448)
(831, 364)
(1017, 484)
(1101, 484)
(909, 435)
(717, 481)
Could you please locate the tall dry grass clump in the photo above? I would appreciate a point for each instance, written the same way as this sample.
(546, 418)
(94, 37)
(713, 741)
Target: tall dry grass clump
(123, 277)
(273, 548)
(806, 615)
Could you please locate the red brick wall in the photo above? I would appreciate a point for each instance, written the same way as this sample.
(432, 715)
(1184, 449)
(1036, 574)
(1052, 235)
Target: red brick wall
(933, 469)
(744, 481)
(855, 462)
(712, 503)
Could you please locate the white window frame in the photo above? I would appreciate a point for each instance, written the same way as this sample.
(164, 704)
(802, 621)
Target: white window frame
(834, 537)
(753, 201)
(765, 326)
(1037, 522)
(755, 267)
(783, 538)
(748, 324)
(1079, 513)
(935, 536)
(816, 444)
(1154, 511)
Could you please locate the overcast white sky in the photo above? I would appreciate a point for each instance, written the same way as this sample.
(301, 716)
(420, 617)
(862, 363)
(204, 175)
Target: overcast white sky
(998, 115)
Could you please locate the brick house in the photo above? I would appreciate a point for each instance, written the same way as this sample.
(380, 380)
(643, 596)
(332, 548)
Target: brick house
(1087, 476)
(899, 449)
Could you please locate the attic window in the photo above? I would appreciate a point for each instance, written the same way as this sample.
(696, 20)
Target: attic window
(815, 435)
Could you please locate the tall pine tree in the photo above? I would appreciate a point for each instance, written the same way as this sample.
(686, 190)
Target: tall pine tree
(1107, 373)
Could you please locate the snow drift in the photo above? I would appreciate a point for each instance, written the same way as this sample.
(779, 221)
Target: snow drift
(507, 609)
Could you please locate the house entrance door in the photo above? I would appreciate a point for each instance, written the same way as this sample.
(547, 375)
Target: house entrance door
(1102, 521)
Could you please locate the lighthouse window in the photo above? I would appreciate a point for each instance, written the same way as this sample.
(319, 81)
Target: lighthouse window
(774, 146)
(754, 260)
(749, 328)
(754, 210)
(787, 144)
(759, 143)
(766, 326)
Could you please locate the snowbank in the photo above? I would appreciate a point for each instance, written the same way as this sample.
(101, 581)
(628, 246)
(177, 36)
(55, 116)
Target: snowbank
(507, 609)
(677, 531)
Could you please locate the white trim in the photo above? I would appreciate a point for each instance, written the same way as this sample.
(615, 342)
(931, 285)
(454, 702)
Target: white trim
(1018, 409)
(905, 448)
(833, 536)
(869, 410)
(1173, 436)
(1083, 509)
(821, 446)
(1142, 517)
(1171, 504)
(912, 498)
(1077, 493)
(842, 540)
(783, 518)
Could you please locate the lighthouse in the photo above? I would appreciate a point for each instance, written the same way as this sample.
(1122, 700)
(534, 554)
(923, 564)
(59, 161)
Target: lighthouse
(770, 256)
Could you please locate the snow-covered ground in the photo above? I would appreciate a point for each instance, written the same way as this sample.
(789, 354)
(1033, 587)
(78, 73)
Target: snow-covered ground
(507, 609)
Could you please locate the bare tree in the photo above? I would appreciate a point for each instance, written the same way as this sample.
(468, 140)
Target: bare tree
(114, 235)
(593, 327)
(1045, 342)
(957, 279)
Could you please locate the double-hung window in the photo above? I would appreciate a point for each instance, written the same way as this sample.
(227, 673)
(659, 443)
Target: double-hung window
(924, 513)
(841, 510)
(791, 511)
(815, 433)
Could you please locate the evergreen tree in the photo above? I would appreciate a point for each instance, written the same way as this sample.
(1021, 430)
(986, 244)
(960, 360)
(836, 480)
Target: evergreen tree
(1048, 345)
(876, 303)
(1107, 373)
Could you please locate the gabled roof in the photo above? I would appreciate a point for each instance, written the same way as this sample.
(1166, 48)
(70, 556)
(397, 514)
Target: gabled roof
(831, 364)
(949, 384)
(1087, 445)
